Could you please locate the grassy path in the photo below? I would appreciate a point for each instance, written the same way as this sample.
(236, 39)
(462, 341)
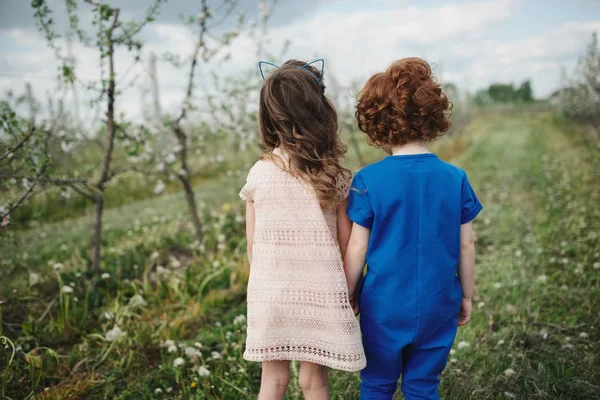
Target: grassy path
(535, 331)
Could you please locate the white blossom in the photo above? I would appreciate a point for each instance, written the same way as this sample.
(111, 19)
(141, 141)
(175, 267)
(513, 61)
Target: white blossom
(198, 345)
(203, 371)
(158, 390)
(497, 285)
(216, 355)
(154, 255)
(160, 187)
(66, 147)
(239, 320)
(542, 278)
(192, 353)
(463, 345)
(509, 372)
(115, 334)
(178, 362)
(583, 335)
(58, 266)
(170, 158)
(105, 275)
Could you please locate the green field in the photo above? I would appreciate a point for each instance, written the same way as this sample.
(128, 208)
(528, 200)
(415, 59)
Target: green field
(535, 331)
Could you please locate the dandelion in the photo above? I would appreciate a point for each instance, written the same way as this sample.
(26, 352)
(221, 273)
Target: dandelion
(115, 334)
(198, 345)
(544, 334)
(158, 391)
(161, 270)
(72, 284)
(228, 335)
(239, 320)
(564, 287)
(583, 335)
(78, 275)
(167, 343)
(192, 353)
(239, 219)
(542, 278)
(34, 279)
(105, 275)
(452, 351)
(509, 372)
(203, 371)
(169, 390)
(178, 362)
(453, 360)
(226, 207)
(518, 253)
(481, 304)
(221, 238)
(597, 265)
(192, 385)
(463, 345)
(218, 324)
(154, 255)
(175, 263)
(58, 267)
(216, 355)
(64, 247)
(160, 187)
(67, 289)
(497, 285)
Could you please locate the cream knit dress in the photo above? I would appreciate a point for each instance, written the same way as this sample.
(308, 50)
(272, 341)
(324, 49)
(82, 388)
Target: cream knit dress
(298, 305)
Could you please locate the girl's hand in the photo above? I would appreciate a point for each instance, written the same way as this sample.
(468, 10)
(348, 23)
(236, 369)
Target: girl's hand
(354, 304)
(464, 315)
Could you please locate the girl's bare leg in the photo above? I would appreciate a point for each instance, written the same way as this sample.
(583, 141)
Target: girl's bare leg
(275, 379)
(314, 381)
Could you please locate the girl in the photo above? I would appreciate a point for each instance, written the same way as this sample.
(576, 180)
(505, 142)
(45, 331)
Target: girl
(412, 218)
(298, 306)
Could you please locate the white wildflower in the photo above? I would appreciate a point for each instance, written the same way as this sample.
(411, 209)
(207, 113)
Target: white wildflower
(108, 315)
(169, 390)
(154, 255)
(67, 289)
(216, 355)
(192, 353)
(239, 218)
(542, 278)
(198, 345)
(221, 238)
(137, 301)
(161, 270)
(58, 266)
(497, 285)
(178, 362)
(597, 265)
(509, 395)
(34, 279)
(583, 335)
(463, 345)
(64, 247)
(175, 263)
(509, 372)
(167, 343)
(160, 166)
(481, 304)
(160, 187)
(228, 335)
(105, 275)
(158, 390)
(115, 333)
(72, 284)
(518, 253)
(239, 320)
(220, 158)
(453, 360)
(172, 349)
(203, 371)
(544, 334)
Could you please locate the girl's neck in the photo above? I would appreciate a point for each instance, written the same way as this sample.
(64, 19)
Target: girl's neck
(410, 148)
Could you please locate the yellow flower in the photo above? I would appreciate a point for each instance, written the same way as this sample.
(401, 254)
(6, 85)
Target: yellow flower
(226, 207)
(193, 385)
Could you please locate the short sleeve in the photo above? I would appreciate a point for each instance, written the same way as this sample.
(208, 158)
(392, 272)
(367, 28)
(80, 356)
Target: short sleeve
(247, 192)
(359, 206)
(470, 204)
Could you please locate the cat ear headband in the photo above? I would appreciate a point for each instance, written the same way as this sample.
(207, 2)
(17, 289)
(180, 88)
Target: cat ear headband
(304, 67)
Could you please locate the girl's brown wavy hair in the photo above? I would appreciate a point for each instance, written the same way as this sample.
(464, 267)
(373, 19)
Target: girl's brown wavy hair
(295, 115)
(403, 104)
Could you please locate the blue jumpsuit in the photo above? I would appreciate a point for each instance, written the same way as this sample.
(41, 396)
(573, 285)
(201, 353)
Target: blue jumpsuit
(411, 295)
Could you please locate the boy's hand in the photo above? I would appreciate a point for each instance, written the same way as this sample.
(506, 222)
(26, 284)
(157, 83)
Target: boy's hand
(354, 304)
(464, 315)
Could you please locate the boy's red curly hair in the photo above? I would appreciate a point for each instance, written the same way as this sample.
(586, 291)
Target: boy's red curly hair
(403, 104)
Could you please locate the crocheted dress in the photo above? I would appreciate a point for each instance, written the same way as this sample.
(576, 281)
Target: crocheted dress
(298, 305)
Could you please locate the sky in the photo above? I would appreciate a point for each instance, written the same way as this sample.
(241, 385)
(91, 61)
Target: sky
(471, 43)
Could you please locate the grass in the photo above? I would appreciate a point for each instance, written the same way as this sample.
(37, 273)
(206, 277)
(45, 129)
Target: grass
(534, 333)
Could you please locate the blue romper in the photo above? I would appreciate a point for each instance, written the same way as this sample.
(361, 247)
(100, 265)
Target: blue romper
(411, 295)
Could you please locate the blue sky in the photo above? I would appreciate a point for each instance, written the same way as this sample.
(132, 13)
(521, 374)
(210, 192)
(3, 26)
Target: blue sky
(470, 42)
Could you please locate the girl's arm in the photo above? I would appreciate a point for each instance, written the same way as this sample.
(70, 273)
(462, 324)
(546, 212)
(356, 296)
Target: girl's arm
(466, 271)
(344, 226)
(250, 228)
(356, 256)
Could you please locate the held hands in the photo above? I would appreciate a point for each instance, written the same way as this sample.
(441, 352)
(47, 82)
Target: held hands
(464, 315)
(354, 303)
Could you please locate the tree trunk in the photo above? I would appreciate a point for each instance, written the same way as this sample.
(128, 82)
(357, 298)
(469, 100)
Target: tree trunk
(96, 235)
(191, 202)
(111, 131)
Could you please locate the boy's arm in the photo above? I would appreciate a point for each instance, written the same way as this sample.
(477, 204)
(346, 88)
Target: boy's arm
(356, 256)
(466, 271)
(249, 228)
(344, 227)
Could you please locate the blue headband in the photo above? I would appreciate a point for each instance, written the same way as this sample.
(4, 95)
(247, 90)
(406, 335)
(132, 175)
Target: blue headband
(260, 68)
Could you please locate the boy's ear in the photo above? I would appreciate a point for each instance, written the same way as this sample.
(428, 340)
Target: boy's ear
(260, 67)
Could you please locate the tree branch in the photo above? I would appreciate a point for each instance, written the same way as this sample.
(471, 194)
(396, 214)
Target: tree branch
(26, 195)
(18, 146)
